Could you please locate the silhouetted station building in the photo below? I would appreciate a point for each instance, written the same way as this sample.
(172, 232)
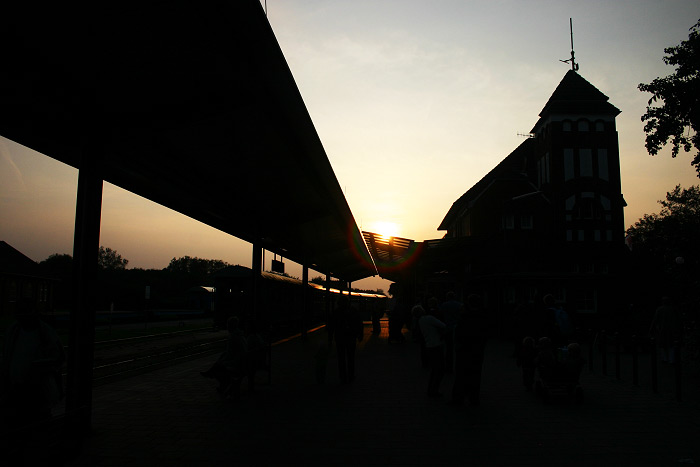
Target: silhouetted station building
(21, 279)
(546, 219)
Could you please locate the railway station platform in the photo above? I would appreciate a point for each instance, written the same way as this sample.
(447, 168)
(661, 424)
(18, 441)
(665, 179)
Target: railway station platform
(174, 417)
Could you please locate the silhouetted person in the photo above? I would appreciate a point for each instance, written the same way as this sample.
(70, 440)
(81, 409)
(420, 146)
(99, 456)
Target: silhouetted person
(30, 382)
(256, 353)
(433, 331)
(416, 313)
(574, 363)
(546, 359)
(666, 327)
(346, 327)
(527, 322)
(526, 361)
(397, 314)
(450, 311)
(231, 366)
(559, 326)
(470, 341)
(377, 313)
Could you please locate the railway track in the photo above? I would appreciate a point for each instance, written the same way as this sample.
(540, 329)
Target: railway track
(111, 367)
(120, 358)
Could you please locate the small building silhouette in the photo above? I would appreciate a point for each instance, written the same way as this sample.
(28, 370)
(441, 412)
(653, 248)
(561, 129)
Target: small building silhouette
(21, 279)
(201, 297)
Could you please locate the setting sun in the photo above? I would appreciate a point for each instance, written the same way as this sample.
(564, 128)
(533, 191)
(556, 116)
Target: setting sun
(385, 229)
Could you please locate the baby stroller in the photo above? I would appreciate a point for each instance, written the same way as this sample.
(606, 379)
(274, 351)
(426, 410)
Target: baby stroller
(558, 372)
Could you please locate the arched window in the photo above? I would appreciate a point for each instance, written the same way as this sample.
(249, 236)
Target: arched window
(588, 207)
(585, 162)
(582, 125)
(603, 172)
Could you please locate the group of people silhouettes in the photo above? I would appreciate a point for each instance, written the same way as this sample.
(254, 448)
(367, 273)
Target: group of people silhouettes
(244, 355)
(452, 337)
(544, 342)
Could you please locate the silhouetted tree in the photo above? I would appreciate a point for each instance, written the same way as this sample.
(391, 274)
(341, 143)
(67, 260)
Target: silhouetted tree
(674, 232)
(665, 250)
(196, 266)
(678, 118)
(57, 265)
(109, 259)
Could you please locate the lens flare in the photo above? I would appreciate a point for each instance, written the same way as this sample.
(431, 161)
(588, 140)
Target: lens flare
(385, 229)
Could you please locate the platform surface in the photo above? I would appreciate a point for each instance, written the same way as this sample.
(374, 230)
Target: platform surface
(174, 417)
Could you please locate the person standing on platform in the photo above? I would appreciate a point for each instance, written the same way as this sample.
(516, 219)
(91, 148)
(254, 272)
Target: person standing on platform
(30, 382)
(397, 308)
(346, 327)
(450, 311)
(470, 341)
(417, 312)
(377, 313)
(666, 327)
(231, 366)
(433, 331)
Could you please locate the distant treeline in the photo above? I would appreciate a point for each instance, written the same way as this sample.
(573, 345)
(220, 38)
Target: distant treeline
(125, 289)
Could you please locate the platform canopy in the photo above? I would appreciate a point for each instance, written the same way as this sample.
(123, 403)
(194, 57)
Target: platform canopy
(394, 256)
(189, 104)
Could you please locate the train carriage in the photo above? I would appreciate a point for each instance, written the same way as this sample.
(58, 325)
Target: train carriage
(281, 299)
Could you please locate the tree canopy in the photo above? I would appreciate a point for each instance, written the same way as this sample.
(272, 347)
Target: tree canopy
(674, 232)
(665, 254)
(109, 259)
(678, 117)
(197, 266)
(57, 263)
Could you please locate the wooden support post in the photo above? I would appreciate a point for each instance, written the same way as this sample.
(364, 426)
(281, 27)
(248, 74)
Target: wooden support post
(617, 355)
(654, 368)
(604, 353)
(678, 369)
(328, 298)
(86, 244)
(257, 267)
(304, 300)
(635, 362)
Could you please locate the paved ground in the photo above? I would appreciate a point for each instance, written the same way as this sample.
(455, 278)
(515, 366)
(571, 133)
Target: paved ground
(174, 417)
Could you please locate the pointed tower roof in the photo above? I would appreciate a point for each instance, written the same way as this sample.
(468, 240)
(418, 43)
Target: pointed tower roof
(575, 95)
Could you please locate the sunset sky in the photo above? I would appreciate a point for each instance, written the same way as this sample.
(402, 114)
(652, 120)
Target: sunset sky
(414, 102)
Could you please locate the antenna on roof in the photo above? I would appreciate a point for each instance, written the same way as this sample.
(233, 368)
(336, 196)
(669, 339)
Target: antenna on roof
(572, 60)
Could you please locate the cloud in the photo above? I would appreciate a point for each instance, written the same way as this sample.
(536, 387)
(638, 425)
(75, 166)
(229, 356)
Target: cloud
(10, 176)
